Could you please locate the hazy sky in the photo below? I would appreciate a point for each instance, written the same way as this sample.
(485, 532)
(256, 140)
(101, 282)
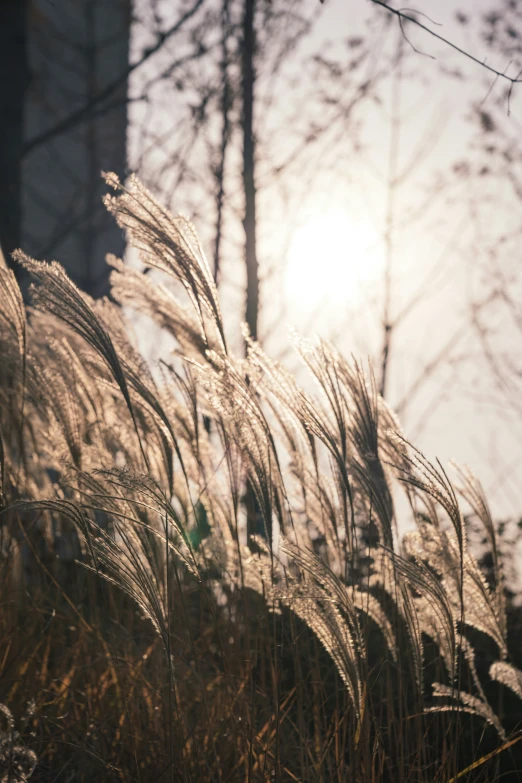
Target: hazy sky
(451, 421)
(458, 413)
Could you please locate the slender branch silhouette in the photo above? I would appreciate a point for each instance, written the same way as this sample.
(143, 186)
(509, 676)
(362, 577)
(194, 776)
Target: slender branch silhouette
(406, 17)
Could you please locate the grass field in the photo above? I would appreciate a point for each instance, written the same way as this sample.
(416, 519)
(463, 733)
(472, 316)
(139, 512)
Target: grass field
(203, 577)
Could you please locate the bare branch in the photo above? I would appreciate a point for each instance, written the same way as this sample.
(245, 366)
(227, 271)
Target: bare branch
(404, 17)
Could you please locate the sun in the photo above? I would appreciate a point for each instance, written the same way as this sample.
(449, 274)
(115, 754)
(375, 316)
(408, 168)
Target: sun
(331, 258)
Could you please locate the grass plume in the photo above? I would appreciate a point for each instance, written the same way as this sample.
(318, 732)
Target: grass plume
(159, 638)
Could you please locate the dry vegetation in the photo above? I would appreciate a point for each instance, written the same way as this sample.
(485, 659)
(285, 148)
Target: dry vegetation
(202, 575)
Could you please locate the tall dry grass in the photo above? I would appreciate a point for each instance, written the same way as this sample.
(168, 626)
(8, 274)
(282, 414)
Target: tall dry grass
(203, 576)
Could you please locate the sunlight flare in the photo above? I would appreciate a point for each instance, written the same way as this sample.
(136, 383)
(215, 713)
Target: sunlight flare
(331, 258)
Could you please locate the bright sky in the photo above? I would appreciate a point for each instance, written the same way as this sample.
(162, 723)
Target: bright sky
(321, 232)
(343, 243)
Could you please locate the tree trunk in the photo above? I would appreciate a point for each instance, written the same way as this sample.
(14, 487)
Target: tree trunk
(393, 163)
(254, 522)
(226, 100)
(249, 222)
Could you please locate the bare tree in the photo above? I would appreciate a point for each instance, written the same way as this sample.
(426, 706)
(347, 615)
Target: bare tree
(421, 21)
(493, 169)
(249, 220)
(392, 183)
(226, 105)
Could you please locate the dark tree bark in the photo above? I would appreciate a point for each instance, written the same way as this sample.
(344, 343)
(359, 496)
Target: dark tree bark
(254, 521)
(249, 222)
(14, 79)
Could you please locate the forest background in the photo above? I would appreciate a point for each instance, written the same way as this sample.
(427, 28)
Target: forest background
(383, 148)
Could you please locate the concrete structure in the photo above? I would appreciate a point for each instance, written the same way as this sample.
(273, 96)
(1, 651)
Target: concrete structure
(75, 126)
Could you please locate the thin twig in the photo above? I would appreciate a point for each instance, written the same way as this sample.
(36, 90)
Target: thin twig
(404, 17)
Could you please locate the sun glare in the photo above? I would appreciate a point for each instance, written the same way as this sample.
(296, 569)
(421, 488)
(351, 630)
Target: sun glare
(330, 260)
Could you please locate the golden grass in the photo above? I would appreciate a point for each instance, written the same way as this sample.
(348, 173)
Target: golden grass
(203, 576)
